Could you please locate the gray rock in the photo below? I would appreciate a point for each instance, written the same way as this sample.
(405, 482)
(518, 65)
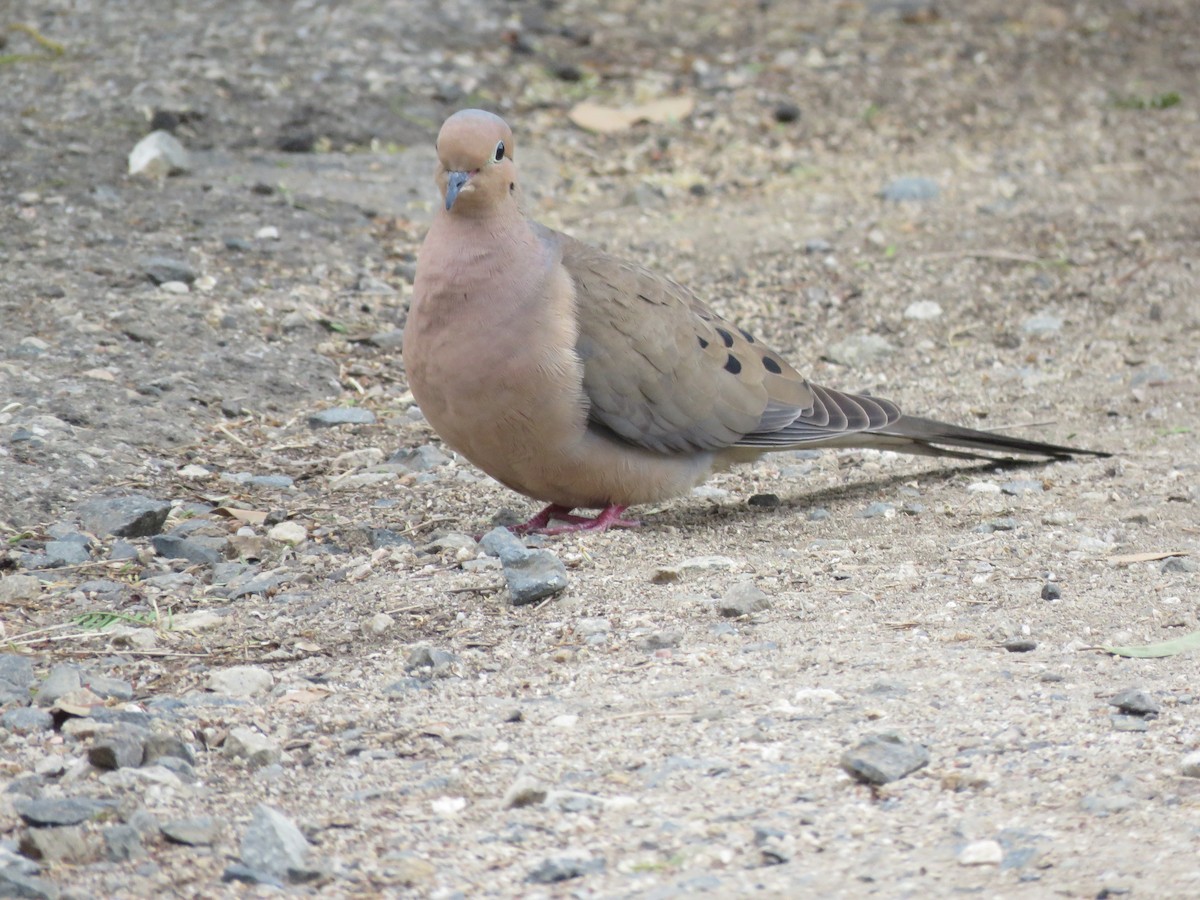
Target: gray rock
(1190, 765)
(1042, 326)
(764, 501)
(554, 869)
(50, 811)
(201, 831)
(259, 583)
(341, 415)
(1051, 591)
(16, 676)
(14, 588)
(63, 679)
(818, 514)
(859, 349)
(1129, 723)
(167, 746)
(881, 758)
(134, 515)
(123, 843)
(876, 510)
(695, 565)
(119, 749)
(419, 459)
(122, 550)
(659, 640)
(440, 661)
(108, 688)
(817, 245)
(534, 577)
(263, 481)
(158, 155)
(240, 681)
(1150, 375)
(910, 188)
(1019, 645)
(14, 883)
(59, 844)
(172, 546)
(1179, 564)
(1136, 702)
(26, 720)
(257, 749)
(502, 543)
(64, 553)
(743, 599)
(161, 269)
(525, 791)
(272, 844)
(1025, 486)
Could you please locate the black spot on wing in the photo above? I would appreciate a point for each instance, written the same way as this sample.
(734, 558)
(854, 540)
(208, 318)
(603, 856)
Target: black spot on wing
(747, 335)
(771, 366)
(703, 342)
(732, 366)
(726, 337)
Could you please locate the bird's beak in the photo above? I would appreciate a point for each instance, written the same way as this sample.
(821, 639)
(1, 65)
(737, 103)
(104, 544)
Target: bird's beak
(454, 184)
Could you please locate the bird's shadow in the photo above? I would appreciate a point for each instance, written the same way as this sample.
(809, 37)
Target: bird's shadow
(692, 515)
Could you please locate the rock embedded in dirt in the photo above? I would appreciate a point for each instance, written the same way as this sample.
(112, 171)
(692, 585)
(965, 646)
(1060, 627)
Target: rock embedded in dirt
(1190, 765)
(981, 853)
(122, 843)
(859, 350)
(62, 680)
(692, 566)
(240, 681)
(274, 846)
(257, 749)
(25, 719)
(52, 811)
(525, 791)
(65, 844)
(201, 831)
(158, 155)
(910, 188)
(14, 588)
(16, 674)
(1051, 591)
(122, 748)
(535, 576)
(341, 415)
(554, 869)
(743, 599)
(172, 546)
(133, 515)
(881, 758)
(1019, 645)
(1136, 702)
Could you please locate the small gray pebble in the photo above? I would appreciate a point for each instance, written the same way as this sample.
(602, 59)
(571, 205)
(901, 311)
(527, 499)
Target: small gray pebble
(1136, 702)
(341, 415)
(910, 188)
(881, 758)
(1020, 645)
(1051, 591)
(554, 869)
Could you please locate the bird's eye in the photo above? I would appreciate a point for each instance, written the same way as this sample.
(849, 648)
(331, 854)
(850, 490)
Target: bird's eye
(500, 151)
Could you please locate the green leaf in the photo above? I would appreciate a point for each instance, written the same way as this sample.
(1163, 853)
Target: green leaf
(1155, 651)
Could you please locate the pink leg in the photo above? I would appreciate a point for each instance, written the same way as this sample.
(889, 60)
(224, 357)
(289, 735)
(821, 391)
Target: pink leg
(609, 517)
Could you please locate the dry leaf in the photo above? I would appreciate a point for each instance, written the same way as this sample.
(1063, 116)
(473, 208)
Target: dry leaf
(302, 697)
(1151, 556)
(249, 516)
(610, 119)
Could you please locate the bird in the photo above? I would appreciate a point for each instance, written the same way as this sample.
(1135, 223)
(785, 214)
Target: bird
(589, 382)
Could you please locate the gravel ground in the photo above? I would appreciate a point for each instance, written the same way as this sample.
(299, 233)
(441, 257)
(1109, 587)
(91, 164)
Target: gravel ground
(250, 637)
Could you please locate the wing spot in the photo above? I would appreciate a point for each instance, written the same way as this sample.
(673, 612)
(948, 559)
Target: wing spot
(703, 342)
(747, 335)
(771, 366)
(726, 337)
(732, 366)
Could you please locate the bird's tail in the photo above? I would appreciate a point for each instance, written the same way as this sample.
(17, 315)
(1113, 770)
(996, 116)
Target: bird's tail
(929, 437)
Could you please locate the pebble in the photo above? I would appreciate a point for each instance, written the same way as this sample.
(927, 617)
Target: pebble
(172, 546)
(14, 588)
(503, 544)
(981, 853)
(52, 811)
(525, 791)
(1025, 486)
(16, 676)
(419, 459)
(441, 662)
(536, 576)
(818, 514)
(694, 565)
(341, 415)
(291, 533)
(240, 681)
(121, 749)
(1150, 375)
(279, 482)
(65, 553)
(923, 310)
(764, 501)
(858, 350)
(983, 487)
(1042, 325)
(60, 844)
(200, 831)
(554, 869)
(1129, 723)
(272, 845)
(910, 188)
(877, 510)
(158, 155)
(817, 245)
(660, 640)
(380, 623)
(1051, 591)
(743, 599)
(109, 688)
(257, 749)
(123, 843)
(1019, 645)
(267, 233)
(1135, 702)
(134, 515)
(25, 719)
(165, 269)
(1190, 766)
(63, 679)
(786, 113)
(167, 746)
(14, 883)
(881, 758)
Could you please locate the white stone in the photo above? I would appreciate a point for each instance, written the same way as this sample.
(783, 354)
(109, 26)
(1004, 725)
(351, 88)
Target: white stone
(240, 681)
(267, 233)
(378, 623)
(923, 310)
(174, 287)
(1191, 765)
(981, 853)
(157, 155)
(288, 533)
(983, 487)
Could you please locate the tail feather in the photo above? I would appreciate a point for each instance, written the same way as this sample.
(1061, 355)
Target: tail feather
(915, 434)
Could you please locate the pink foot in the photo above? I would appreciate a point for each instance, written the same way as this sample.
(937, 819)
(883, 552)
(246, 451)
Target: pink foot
(609, 517)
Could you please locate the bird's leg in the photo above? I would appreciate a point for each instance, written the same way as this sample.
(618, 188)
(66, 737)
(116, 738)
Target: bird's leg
(609, 517)
(542, 519)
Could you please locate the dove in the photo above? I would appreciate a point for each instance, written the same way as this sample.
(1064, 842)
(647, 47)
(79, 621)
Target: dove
(591, 383)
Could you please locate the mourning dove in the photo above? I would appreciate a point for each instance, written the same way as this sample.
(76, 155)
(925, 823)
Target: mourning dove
(589, 382)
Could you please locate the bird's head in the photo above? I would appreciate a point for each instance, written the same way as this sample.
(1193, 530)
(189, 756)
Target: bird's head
(475, 162)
